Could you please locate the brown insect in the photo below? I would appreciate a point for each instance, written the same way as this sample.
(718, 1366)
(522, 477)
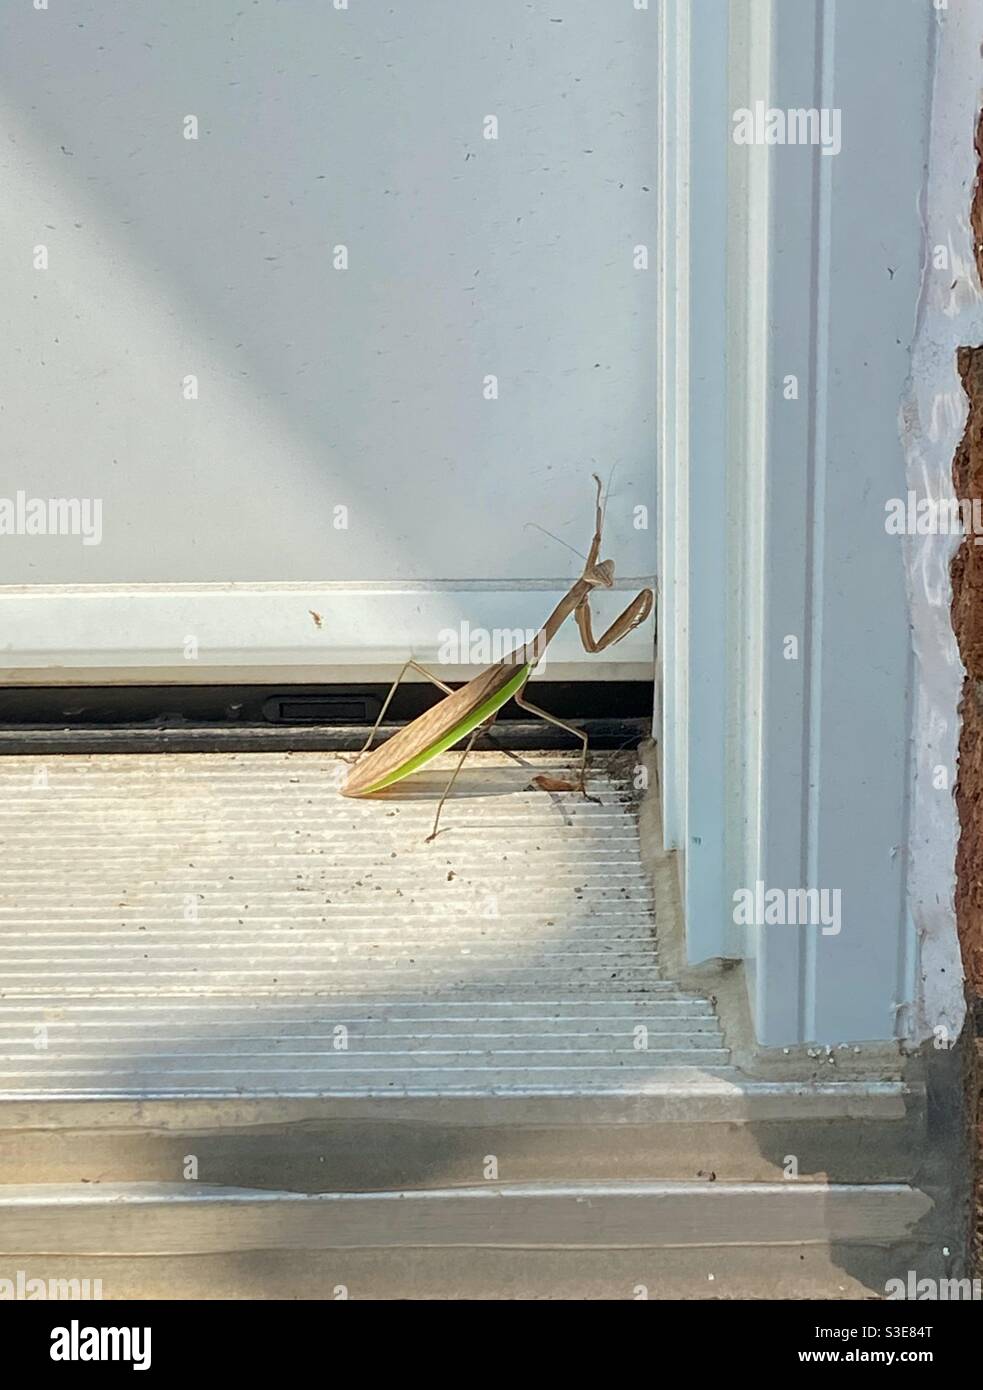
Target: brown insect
(463, 713)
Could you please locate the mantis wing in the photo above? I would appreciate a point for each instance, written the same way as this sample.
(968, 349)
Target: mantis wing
(437, 729)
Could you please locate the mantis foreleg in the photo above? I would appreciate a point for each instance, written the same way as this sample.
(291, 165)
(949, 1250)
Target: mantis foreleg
(636, 613)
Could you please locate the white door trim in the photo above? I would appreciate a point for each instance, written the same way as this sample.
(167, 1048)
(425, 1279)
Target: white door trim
(787, 721)
(138, 633)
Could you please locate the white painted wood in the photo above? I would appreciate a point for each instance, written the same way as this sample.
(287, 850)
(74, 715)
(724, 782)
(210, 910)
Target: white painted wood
(321, 388)
(932, 420)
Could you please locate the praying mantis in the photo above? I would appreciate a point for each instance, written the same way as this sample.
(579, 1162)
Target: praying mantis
(465, 712)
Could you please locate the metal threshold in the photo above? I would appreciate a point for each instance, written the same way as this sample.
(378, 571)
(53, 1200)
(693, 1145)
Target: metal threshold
(202, 925)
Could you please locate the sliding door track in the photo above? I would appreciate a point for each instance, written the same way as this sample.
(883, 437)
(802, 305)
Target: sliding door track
(258, 718)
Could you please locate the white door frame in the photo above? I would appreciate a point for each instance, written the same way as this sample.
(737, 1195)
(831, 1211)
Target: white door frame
(785, 646)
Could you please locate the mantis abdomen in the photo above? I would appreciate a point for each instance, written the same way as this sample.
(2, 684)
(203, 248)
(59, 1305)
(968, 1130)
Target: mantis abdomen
(438, 729)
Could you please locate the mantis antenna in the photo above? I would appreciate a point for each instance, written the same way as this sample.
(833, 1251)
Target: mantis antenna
(604, 507)
(580, 555)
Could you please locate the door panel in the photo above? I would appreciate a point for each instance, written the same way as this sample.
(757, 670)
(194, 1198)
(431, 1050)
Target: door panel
(341, 430)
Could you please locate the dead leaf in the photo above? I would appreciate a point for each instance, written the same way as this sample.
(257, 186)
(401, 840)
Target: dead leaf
(546, 783)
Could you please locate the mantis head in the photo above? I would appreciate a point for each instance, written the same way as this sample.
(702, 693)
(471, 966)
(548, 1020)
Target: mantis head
(601, 574)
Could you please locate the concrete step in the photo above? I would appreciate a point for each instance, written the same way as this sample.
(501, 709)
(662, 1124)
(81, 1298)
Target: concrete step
(676, 1126)
(776, 1272)
(628, 1240)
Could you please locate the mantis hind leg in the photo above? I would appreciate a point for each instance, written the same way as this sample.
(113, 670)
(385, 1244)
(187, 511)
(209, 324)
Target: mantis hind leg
(388, 700)
(460, 763)
(552, 719)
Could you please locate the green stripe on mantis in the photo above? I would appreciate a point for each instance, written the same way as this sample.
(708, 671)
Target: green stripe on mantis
(466, 726)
